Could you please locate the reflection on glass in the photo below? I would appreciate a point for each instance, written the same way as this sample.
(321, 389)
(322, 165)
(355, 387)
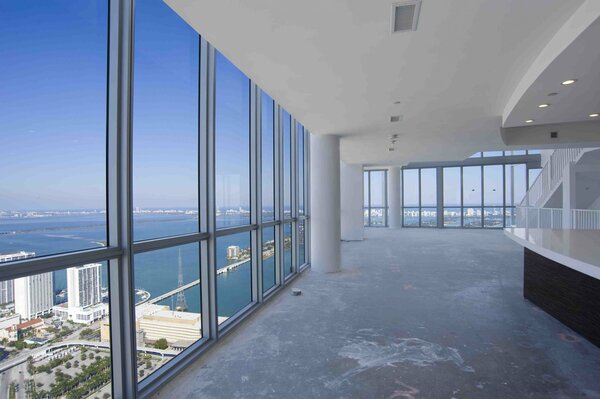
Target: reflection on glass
(410, 186)
(234, 274)
(510, 215)
(268, 158)
(429, 217)
(366, 216)
(300, 130)
(428, 187)
(378, 189)
(168, 304)
(53, 126)
(68, 306)
(472, 186)
(452, 217)
(410, 217)
(492, 153)
(268, 258)
(287, 165)
(471, 217)
(301, 242)
(165, 171)
(366, 189)
(232, 143)
(287, 250)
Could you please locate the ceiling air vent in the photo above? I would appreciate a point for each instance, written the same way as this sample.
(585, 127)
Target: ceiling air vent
(405, 16)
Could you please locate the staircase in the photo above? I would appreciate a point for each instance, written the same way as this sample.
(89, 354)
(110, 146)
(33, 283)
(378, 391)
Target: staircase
(551, 176)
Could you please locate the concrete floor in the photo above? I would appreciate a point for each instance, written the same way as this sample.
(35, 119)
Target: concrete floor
(415, 313)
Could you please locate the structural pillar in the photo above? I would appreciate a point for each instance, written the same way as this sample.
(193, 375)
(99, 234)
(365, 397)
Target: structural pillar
(325, 203)
(394, 198)
(352, 222)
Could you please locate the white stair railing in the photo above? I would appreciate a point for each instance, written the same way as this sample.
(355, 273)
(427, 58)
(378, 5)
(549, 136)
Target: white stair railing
(557, 218)
(550, 176)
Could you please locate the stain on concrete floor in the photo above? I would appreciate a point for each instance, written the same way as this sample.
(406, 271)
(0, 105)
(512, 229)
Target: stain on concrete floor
(415, 313)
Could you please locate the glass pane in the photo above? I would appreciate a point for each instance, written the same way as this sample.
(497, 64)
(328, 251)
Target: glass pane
(287, 165)
(534, 152)
(411, 216)
(366, 189)
(492, 185)
(410, 184)
(471, 217)
(268, 158)
(472, 185)
(301, 242)
(234, 274)
(510, 215)
(429, 187)
(492, 153)
(366, 216)
(378, 188)
(300, 130)
(476, 155)
(515, 185)
(378, 217)
(533, 174)
(232, 131)
(165, 100)
(515, 152)
(48, 309)
(493, 217)
(168, 304)
(452, 217)
(268, 258)
(287, 250)
(53, 82)
(428, 217)
(452, 187)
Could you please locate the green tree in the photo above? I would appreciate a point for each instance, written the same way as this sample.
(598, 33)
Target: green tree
(161, 344)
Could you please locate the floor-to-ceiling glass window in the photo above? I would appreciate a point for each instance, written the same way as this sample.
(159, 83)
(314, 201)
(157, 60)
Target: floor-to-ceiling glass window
(493, 182)
(232, 144)
(515, 187)
(428, 197)
(452, 197)
(148, 206)
(375, 198)
(472, 196)
(411, 198)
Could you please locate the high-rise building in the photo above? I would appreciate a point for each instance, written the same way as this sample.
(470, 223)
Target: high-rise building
(83, 285)
(34, 295)
(233, 251)
(7, 287)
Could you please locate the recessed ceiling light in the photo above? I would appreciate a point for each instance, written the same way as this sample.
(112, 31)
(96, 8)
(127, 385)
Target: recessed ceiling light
(529, 120)
(594, 115)
(543, 105)
(569, 82)
(395, 118)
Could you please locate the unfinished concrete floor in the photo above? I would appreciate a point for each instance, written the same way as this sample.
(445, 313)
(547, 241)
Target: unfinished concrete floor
(415, 313)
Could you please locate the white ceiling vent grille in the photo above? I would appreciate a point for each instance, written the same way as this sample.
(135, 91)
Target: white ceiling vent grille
(405, 16)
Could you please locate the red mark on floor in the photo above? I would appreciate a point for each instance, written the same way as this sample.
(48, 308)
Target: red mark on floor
(407, 392)
(568, 337)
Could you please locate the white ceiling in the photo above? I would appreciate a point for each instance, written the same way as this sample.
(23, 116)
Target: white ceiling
(336, 67)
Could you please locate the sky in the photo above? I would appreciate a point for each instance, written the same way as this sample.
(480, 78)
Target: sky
(53, 109)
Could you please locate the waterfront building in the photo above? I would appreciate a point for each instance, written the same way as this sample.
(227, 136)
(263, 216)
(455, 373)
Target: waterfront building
(233, 251)
(34, 295)
(156, 322)
(7, 287)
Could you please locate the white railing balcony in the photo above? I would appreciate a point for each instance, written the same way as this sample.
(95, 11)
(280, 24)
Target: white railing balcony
(557, 218)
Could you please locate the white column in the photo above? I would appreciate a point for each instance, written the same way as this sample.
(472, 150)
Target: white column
(351, 180)
(394, 198)
(569, 189)
(325, 203)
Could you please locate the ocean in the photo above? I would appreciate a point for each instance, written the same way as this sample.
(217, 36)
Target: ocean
(156, 271)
